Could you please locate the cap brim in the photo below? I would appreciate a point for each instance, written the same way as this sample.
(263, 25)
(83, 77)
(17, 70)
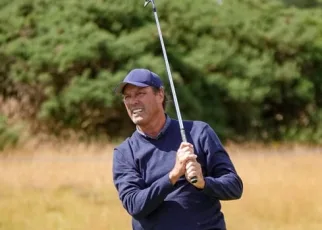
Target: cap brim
(119, 89)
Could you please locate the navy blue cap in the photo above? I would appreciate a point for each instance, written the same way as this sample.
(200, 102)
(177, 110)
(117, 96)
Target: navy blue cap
(140, 78)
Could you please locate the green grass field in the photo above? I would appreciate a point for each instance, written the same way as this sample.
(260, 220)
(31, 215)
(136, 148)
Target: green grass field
(70, 188)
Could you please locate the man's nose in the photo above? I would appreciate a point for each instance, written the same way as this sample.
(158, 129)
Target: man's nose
(133, 100)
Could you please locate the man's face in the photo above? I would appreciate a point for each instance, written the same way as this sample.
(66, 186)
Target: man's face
(142, 104)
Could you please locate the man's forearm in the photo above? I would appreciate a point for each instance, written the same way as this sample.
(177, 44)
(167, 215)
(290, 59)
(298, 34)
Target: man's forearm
(140, 203)
(226, 187)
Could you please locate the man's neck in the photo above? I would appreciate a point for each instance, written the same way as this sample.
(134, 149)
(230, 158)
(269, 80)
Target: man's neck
(153, 128)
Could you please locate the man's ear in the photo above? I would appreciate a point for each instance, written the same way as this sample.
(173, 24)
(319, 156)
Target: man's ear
(161, 94)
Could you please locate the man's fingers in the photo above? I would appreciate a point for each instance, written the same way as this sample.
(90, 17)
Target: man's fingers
(186, 153)
(191, 170)
(186, 144)
(188, 157)
(185, 149)
(191, 164)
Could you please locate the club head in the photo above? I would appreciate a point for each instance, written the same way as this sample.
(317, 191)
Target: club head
(147, 2)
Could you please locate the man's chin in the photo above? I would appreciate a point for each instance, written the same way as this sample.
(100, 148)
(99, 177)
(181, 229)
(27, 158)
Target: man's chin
(137, 120)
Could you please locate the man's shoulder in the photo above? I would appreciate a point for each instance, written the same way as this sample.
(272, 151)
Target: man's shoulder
(195, 124)
(128, 141)
(190, 122)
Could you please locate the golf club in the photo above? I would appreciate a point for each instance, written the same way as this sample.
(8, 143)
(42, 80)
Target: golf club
(176, 104)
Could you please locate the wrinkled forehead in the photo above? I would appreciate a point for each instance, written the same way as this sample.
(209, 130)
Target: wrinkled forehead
(128, 89)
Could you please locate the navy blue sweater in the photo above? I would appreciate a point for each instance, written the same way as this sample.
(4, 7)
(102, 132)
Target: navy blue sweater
(141, 167)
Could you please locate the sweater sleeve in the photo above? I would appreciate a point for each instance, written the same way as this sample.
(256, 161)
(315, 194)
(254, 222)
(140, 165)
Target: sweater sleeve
(222, 181)
(137, 198)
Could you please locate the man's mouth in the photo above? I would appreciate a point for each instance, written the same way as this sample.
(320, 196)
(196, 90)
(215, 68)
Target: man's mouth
(136, 111)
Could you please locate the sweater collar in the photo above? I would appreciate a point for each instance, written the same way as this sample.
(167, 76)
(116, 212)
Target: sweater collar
(162, 131)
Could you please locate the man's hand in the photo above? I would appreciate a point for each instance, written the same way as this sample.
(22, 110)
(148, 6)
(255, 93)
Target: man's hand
(193, 168)
(185, 154)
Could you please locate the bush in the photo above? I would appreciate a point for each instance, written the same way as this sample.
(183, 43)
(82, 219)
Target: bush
(251, 68)
(9, 135)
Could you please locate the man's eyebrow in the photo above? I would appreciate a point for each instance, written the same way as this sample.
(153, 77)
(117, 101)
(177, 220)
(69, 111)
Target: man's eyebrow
(125, 94)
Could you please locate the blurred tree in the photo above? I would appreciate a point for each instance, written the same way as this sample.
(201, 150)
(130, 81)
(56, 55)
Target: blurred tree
(250, 68)
(9, 134)
(303, 3)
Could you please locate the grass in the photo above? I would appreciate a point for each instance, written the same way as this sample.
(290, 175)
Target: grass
(70, 188)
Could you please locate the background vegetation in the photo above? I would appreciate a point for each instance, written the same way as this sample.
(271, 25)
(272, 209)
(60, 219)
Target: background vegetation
(250, 68)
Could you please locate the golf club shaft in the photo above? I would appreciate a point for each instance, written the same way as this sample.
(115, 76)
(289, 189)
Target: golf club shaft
(176, 104)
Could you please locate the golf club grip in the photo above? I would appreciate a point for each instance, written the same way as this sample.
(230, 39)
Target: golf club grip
(194, 179)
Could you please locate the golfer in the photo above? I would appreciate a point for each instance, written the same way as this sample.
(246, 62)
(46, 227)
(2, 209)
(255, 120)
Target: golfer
(153, 167)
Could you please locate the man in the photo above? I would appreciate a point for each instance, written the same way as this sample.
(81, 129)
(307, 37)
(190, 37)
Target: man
(151, 169)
